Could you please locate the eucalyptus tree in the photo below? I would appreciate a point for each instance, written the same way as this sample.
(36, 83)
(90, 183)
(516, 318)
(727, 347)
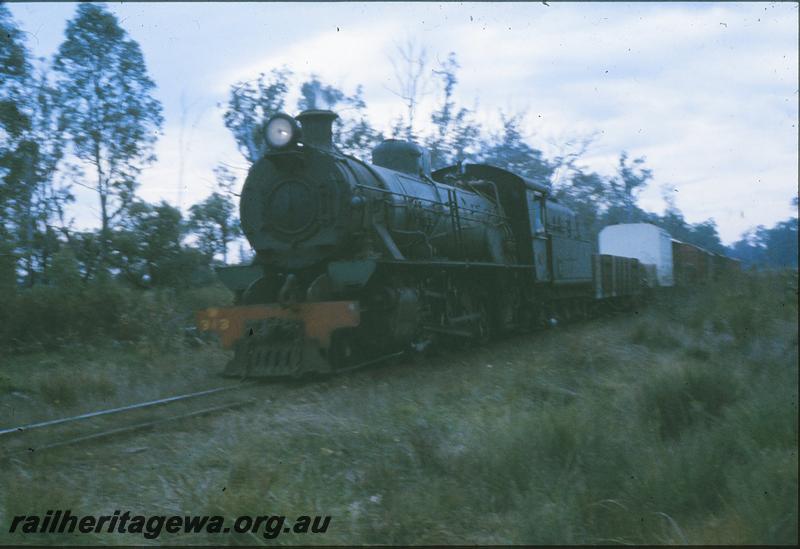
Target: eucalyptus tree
(250, 104)
(316, 95)
(455, 135)
(623, 189)
(214, 220)
(147, 244)
(410, 66)
(31, 147)
(43, 194)
(111, 115)
(774, 248)
(14, 73)
(509, 149)
(353, 132)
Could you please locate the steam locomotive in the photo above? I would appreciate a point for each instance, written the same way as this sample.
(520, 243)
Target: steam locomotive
(357, 262)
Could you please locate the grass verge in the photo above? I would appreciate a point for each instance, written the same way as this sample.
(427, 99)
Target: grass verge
(674, 424)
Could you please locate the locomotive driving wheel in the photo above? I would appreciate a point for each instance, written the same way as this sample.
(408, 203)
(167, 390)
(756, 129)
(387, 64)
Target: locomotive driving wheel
(341, 353)
(483, 325)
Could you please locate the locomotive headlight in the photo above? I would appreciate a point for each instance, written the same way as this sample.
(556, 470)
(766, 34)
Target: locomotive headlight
(281, 131)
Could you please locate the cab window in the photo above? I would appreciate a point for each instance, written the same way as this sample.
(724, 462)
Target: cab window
(538, 217)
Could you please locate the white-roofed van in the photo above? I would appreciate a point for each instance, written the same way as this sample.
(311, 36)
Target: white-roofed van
(649, 244)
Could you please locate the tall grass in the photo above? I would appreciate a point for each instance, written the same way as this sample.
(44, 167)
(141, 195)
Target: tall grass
(594, 433)
(592, 440)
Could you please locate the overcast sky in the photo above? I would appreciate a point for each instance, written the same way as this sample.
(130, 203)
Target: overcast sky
(707, 92)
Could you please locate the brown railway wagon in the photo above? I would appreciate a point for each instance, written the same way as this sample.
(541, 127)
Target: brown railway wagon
(616, 276)
(693, 265)
(724, 264)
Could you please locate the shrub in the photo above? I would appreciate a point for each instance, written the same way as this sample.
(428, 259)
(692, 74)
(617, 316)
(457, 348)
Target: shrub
(50, 317)
(681, 395)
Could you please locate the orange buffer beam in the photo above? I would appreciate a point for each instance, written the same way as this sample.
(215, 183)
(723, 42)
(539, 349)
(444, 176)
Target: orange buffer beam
(320, 319)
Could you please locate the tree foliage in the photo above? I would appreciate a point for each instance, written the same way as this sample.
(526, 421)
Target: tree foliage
(585, 193)
(213, 220)
(15, 70)
(40, 199)
(31, 147)
(147, 242)
(96, 104)
(148, 248)
(623, 190)
(509, 149)
(316, 95)
(599, 201)
(355, 134)
(110, 113)
(456, 135)
(352, 132)
(250, 104)
(771, 248)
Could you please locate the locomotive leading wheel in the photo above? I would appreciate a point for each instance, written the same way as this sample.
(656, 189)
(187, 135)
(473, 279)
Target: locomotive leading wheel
(263, 290)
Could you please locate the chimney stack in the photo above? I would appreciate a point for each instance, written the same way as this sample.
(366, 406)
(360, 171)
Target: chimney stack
(317, 128)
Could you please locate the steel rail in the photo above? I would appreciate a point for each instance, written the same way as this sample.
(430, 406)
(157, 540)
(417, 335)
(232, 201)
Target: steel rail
(128, 428)
(143, 425)
(370, 362)
(41, 424)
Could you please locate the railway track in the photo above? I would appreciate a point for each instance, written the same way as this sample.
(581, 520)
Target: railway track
(22, 439)
(36, 437)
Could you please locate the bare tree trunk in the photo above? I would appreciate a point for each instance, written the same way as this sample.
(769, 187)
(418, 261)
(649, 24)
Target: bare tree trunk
(29, 245)
(410, 130)
(103, 228)
(29, 183)
(410, 67)
(104, 220)
(181, 149)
